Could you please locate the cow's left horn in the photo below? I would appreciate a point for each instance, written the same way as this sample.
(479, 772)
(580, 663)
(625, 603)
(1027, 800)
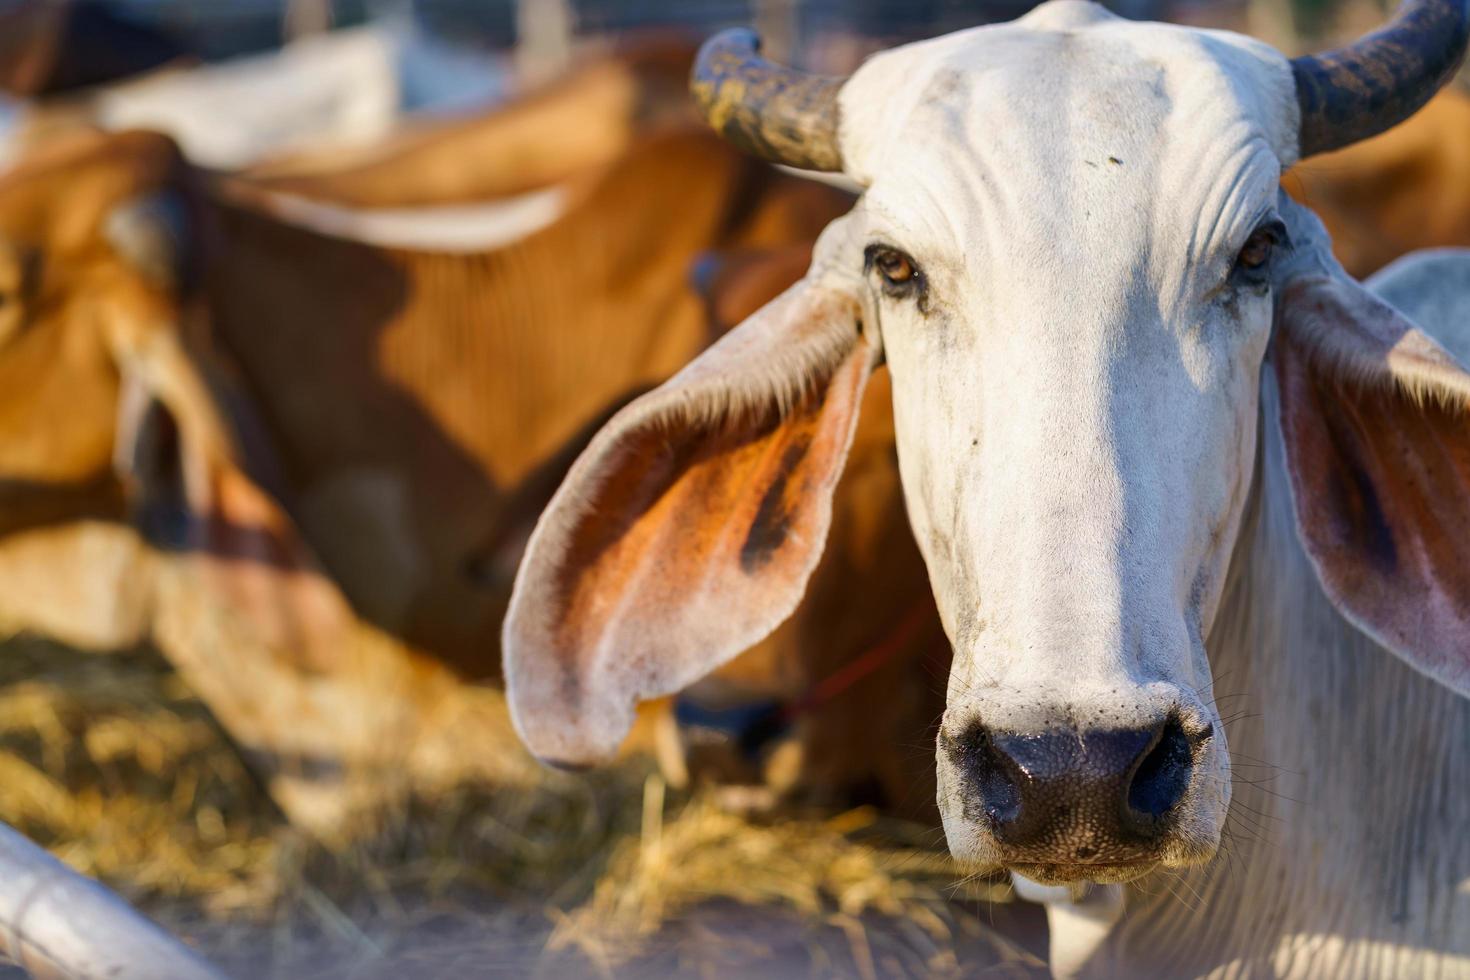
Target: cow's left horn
(780, 114)
(1381, 80)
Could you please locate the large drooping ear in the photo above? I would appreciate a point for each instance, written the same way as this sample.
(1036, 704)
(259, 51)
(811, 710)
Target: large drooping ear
(1375, 420)
(688, 529)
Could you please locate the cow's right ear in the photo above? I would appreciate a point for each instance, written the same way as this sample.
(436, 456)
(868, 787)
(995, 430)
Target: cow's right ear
(688, 529)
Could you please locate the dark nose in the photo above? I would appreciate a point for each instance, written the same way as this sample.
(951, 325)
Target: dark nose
(1077, 797)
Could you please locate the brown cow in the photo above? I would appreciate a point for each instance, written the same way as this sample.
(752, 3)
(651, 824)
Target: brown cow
(564, 130)
(1406, 189)
(331, 451)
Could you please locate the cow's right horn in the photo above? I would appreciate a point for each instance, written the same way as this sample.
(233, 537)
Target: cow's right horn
(777, 113)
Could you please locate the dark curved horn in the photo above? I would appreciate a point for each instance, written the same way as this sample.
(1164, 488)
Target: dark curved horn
(1379, 81)
(780, 114)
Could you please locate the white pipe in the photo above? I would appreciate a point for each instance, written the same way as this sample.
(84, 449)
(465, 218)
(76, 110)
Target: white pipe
(57, 923)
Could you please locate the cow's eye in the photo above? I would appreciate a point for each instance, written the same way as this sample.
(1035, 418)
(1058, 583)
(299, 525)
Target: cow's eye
(899, 273)
(895, 267)
(1257, 251)
(1255, 256)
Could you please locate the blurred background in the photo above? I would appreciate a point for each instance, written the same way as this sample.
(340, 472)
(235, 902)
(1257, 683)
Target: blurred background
(423, 57)
(413, 252)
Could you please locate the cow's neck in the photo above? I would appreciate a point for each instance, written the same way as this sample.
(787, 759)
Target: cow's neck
(1346, 850)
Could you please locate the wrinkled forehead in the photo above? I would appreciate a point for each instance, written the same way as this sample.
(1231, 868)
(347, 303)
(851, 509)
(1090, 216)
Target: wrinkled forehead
(1066, 88)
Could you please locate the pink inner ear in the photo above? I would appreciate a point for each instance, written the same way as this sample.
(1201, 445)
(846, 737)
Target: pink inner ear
(700, 543)
(1380, 478)
(687, 531)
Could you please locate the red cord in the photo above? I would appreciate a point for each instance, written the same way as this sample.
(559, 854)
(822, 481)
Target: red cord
(856, 669)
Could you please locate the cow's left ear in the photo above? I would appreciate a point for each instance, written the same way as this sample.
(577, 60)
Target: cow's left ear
(688, 529)
(1375, 420)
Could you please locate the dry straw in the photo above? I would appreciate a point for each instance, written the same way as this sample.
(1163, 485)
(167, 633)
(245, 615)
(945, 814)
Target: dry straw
(111, 763)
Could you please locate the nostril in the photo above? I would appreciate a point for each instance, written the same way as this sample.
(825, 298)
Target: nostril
(987, 772)
(1163, 775)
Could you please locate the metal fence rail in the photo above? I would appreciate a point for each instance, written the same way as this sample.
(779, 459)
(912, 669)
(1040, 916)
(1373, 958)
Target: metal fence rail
(57, 923)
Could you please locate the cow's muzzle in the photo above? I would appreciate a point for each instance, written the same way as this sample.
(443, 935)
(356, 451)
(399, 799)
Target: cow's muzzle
(1069, 805)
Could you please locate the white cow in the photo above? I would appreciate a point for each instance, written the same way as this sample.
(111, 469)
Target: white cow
(1432, 288)
(344, 89)
(338, 87)
(1171, 469)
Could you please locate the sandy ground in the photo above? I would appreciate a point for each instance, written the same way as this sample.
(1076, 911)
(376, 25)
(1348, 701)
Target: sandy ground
(716, 939)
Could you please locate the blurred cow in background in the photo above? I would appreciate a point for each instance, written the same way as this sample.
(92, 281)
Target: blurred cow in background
(71, 66)
(304, 465)
(564, 129)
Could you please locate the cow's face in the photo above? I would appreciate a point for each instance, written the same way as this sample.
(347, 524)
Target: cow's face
(1074, 259)
(1066, 246)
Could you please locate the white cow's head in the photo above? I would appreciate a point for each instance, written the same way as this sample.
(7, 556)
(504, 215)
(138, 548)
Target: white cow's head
(1074, 259)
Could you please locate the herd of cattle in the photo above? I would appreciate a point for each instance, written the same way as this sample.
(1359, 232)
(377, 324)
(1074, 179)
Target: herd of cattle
(294, 423)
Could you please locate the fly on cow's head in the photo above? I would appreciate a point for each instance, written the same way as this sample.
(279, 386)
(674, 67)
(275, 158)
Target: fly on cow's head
(1074, 259)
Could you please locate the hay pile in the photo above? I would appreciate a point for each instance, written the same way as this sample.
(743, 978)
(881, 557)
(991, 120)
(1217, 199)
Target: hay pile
(113, 765)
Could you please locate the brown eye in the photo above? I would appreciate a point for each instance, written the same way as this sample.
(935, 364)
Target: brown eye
(895, 267)
(1258, 249)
